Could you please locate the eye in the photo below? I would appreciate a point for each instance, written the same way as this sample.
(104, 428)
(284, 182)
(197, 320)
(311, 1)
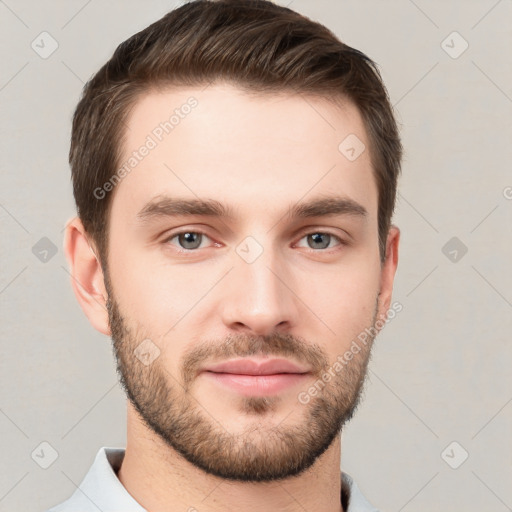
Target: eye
(188, 240)
(193, 240)
(321, 240)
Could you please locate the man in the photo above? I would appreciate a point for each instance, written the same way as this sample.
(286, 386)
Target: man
(234, 167)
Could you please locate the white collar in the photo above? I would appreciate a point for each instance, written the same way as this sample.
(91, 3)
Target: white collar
(101, 489)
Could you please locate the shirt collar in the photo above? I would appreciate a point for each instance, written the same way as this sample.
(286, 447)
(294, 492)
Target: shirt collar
(102, 490)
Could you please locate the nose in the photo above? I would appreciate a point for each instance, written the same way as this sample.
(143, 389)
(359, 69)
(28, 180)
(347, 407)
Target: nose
(259, 296)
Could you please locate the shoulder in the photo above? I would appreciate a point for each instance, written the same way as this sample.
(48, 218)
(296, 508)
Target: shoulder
(352, 498)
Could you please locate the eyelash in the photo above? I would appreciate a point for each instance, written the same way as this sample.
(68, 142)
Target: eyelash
(181, 250)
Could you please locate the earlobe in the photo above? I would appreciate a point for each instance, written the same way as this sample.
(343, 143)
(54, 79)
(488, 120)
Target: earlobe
(87, 277)
(388, 271)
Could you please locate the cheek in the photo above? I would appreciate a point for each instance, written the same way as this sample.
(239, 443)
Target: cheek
(344, 300)
(164, 301)
(158, 298)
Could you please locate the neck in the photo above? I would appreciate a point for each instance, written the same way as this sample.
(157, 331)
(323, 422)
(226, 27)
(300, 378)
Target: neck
(160, 479)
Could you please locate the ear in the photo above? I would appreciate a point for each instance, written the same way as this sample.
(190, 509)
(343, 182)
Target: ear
(388, 269)
(87, 277)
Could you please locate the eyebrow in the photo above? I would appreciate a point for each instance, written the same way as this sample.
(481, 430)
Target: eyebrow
(164, 206)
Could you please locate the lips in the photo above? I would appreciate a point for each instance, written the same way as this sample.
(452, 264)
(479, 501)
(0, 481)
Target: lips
(257, 377)
(257, 367)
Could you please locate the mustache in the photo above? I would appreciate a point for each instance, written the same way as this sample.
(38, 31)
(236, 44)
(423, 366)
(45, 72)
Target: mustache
(241, 345)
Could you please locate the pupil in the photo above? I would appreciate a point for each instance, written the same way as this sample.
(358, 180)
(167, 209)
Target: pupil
(189, 239)
(317, 239)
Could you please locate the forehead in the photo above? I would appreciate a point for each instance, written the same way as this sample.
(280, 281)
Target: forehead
(253, 153)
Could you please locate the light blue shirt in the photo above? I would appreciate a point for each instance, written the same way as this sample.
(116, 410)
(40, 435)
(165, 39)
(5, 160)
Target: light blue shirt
(101, 490)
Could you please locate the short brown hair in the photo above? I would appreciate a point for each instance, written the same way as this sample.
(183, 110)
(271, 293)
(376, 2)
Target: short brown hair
(254, 44)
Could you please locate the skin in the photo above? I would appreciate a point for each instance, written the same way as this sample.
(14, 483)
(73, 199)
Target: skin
(259, 155)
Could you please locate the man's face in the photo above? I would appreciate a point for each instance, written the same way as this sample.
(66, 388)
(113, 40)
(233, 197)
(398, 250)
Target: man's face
(188, 291)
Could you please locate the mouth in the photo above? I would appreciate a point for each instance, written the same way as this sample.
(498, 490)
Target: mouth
(257, 377)
(257, 367)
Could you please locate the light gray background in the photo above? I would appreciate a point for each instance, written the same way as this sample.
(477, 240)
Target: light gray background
(440, 370)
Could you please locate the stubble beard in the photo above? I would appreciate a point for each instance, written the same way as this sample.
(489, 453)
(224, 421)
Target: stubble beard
(261, 452)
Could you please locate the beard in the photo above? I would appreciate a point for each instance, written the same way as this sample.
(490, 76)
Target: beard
(262, 452)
